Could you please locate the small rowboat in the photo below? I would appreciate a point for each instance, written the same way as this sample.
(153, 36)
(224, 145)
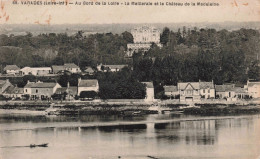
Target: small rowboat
(41, 145)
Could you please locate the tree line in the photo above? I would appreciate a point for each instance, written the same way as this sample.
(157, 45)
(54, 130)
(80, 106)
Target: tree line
(187, 55)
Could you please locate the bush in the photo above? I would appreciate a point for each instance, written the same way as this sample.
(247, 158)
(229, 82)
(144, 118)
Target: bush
(59, 96)
(2, 98)
(88, 94)
(26, 97)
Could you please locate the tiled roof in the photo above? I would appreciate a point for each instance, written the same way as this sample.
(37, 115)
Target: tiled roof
(13, 90)
(251, 84)
(170, 88)
(70, 90)
(40, 85)
(224, 88)
(73, 90)
(36, 68)
(61, 90)
(239, 90)
(205, 85)
(57, 68)
(11, 67)
(88, 83)
(70, 65)
(2, 82)
(184, 85)
(89, 69)
(148, 84)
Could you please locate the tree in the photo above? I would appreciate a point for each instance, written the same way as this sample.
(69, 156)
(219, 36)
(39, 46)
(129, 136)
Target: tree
(254, 70)
(128, 37)
(88, 94)
(165, 36)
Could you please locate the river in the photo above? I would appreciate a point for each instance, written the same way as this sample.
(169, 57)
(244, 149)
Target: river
(162, 136)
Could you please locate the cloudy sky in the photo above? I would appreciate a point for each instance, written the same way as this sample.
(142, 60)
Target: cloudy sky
(228, 10)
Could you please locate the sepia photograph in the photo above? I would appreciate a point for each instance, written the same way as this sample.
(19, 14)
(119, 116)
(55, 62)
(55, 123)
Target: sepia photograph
(129, 79)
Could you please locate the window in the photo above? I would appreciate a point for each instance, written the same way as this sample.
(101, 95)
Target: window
(203, 90)
(36, 90)
(208, 91)
(26, 90)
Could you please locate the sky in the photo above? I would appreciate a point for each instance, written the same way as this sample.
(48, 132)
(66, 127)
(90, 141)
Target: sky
(228, 10)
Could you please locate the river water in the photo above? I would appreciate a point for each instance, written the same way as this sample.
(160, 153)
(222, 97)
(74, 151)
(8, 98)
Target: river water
(167, 136)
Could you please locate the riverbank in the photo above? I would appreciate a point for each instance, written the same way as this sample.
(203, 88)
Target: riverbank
(129, 108)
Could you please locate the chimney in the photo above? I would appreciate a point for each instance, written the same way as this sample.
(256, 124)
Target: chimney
(68, 85)
(79, 79)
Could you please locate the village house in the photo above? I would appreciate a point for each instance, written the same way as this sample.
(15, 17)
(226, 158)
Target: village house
(149, 91)
(195, 91)
(207, 90)
(13, 92)
(253, 89)
(171, 91)
(70, 92)
(4, 84)
(57, 69)
(110, 68)
(189, 91)
(89, 71)
(240, 93)
(71, 67)
(36, 71)
(12, 69)
(87, 85)
(225, 91)
(40, 90)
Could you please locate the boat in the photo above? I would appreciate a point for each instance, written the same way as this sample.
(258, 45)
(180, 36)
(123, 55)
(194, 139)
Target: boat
(41, 145)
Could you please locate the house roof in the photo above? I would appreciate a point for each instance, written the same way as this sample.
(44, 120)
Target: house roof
(36, 68)
(205, 85)
(239, 90)
(13, 90)
(40, 85)
(148, 84)
(88, 83)
(61, 90)
(70, 90)
(115, 66)
(224, 88)
(251, 84)
(70, 65)
(73, 90)
(89, 69)
(184, 85)
(11, 67)
(2, 82)
(57, 68)
(170, 88)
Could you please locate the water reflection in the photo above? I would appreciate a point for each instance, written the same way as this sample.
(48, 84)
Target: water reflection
(221, 138)
(192, 132)
(123, 128)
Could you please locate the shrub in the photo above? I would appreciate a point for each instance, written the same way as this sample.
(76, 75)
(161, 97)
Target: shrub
(88, 94)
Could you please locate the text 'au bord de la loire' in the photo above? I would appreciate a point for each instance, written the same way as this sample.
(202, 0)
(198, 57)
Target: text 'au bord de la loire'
(115, 3)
